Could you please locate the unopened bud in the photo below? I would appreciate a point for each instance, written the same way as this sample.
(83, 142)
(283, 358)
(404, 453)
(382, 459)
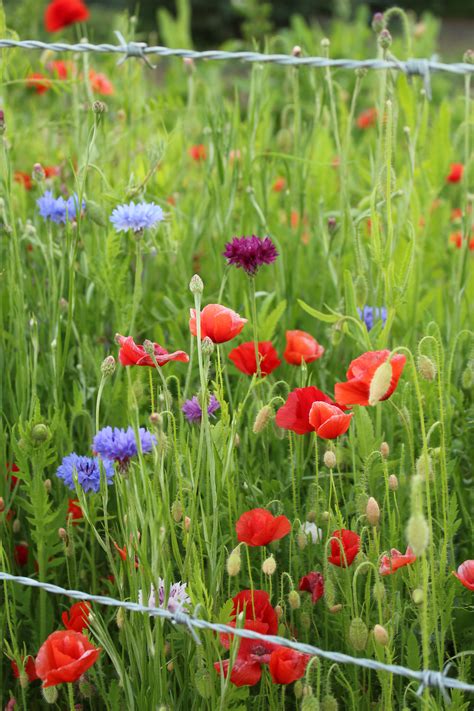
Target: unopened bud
(170, 666)
(99, 108)
(188, 64)
(310, 703)
(47, 485)
(305, 620)
(107, 367)
(156, 419)
(167, 649)
(332, 224)
(233, 563)
(62, 533)
(38, 173)
(50, 694)
(294, 600)
(149, 347)
(298, 689)
(329, 459)
(187, 523)
(426, 368)
(269, 566)
(392, 482)
(329, 703)
(16, 526)
(2, 504)
(467, 378)
(378, 22)
(279, 611)
(381, 635)
(85, 687)
(378, 591)
(380, 383)
(40, 433)
(196, 285)
(296, 51)
(385, 449)
(302, 540)
(263, 418)
(385, 39)
(418, 533)
(325, 43)
(207, 346)
(468, 57)
(177, 511)
(358, 633)
(418, 596)
(325, 516)
(120, 618)
(334, 609)
(372, 511)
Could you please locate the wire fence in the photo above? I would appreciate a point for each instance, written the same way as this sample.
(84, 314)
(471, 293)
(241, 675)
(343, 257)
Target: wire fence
(426, 678)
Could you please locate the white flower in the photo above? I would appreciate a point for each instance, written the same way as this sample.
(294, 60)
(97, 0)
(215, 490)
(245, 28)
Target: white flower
(310, 529)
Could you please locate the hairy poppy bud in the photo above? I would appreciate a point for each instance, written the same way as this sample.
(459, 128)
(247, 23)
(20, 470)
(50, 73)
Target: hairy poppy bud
(385, 449)
(329, 459)
(196, 285)
(325, 43)
(418, 533)
(332, 224)
(358, 633)
(40, 433)
(62, 533)
(16, 526)
(334, 609)
(269, 566)
(385, 39)
(47, 485)
(372, 511)
(187, 523)
(467, 378)
(380, 383)
(424, 467)
(468, 56)
(325, 516)
(310, 703)
(392, 482)
(120, 618)
(85, 688)
(107, 366)
(279, 611)
(329, 703)
(263, 418)
(50, 694)
(170, 666)
(233, 563)
(177, 511)
(378, 22)
(426, 367)
(156, 419)
(38, 173)
(381, 635)
(329, 592)
(207, 346)
(204, 683)
(148, 347)
(418, 596)
(302, 540)
(298, 689)
(294, 600)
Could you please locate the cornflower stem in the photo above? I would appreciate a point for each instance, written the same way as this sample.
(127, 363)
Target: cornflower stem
(70, 695)
(137, 285)
(253, 306)
(99, 398)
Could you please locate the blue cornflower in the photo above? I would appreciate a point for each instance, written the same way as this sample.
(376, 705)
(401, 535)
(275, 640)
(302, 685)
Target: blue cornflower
(192, 409)
(370, 314)
(137, 217)
(58, 209)
(88, 471)
(121, 444)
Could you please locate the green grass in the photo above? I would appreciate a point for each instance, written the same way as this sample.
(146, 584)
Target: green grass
(66, 290)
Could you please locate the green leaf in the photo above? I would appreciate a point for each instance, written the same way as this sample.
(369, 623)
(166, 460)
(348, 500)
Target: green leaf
(327, 318)
(269, 325)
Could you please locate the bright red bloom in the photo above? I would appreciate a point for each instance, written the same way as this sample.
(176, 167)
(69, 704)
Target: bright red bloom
(100, 84)
(361, 371)
(259, 527)
(287, 665)
(13, 479)
(301, 346)
(198, 152)
(313, 583)
(132, 354)
(61, 13)
(367, 118)
(51, 171)
(77, 618)
(257, 608)
(23, 178)
(60, 68)
(29, 667)
(390, 563)
(455, 173)
(456, 238)
(38, 82)
(123, 553)
(74, 510)
(218, 323)
(465, 574)
(64, 657)
(279, 185)
(21, 554)
(243, 357)
(329, 421)
(294, 414)
(344, 547)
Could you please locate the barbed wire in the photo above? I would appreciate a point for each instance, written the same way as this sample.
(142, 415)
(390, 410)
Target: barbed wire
(426, 678)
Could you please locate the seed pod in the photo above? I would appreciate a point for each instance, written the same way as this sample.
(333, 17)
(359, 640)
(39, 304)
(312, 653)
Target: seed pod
(329, 459)
(426, 368)
(418, 533)
(381, 635)
(392, 482)
(269, 566)
(372, 511)
(358, 634)
(294, 600)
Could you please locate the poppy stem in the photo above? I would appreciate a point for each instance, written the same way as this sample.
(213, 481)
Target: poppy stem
(70, 694)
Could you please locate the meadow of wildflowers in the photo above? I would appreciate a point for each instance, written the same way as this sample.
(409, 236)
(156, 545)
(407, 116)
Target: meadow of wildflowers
(237, 370)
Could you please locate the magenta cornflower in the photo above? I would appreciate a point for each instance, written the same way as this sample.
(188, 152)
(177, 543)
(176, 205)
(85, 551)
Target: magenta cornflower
(250, 253)
(192, 409)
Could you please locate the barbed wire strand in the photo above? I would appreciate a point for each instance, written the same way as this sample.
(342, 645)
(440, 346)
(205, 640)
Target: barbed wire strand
(426, 678)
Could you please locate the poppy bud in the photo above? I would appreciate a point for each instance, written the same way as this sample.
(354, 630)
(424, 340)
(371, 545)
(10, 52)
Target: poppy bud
(329, 459)
(63, 304)
(187, 523)
(207, 346)
(188, 64)
(85, 688)
(378, 591)
(156, 419)
(16, 526)
(424, 467)
(47, 485)
(40, 433)
(392, 482)
(107, 366)
(279, 611)
(325, 43)
(378, 22)
(294, 600)
(170, 666)
(329, 592)
(233, 563)
(50, 694)
(385, 39)
(62, 533)
(196, 285)
(2, 504)
(334, 609)
(358, 633)
(380, 383)
(263, 417)
(426, 367)
(325, 516)
(310, 703)
(468, 57)
(120, 618)
(298, 689)
(418, 596)
(177, 511)
(418, 533)
(332, 224)
(372, 511)
(269, 566)
(302, 541)
(329, 703)
(167, 649)
(305, 620)
(385, 449)
(361, 291)
(381, 635)
(467, 378)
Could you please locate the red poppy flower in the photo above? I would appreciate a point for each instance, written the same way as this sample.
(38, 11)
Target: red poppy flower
(218, 323)
(247, 668)
(23, 178)
(367, 118)
(60, 68)
(77, 618)
(301, 346)
(287, 665)
(12, 467)
(455, 173)
(61, 13)
(344, 547)
(279, 185)
(465, 574)
(294, 414)
(29, 667)
(74, 510)
(256, 606)
(123, 553)
(198, 152)
(38, 82)
(259, 527)
(361, 371)
(243, 357)
(21, 554)
(51, 171)
(390, 563)
(100, 84)
(132, 354)
(456, 238)
(313, 583)
(64, 657)
(328, 421)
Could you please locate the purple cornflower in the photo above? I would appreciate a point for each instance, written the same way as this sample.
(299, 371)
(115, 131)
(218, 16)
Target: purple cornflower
(250, 252)
(119, 444)
(88, 471)
(176, 599)
(137, 217)
(58, 209)
(371, 314)
(192, 409)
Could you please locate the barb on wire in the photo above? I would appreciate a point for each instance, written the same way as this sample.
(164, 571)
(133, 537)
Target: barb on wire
(426, 678)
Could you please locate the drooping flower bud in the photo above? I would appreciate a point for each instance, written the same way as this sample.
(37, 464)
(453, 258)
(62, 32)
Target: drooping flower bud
(418, 596)
(294, 600)
(264, 416)
(196, 285)
(207, 347)
(358, 634)
(329, 459)
(378, 591)
(279, 611)
(418, 533)
(426, 367)
(372, 511)
(50, 694)
(385, 449)
(296, 51)
(107, 366)
(378, 22)
(233, 563)
(269, 565)
(393, 482)
(381, 635)
(298, 689)
(329, 703)
(177, 511)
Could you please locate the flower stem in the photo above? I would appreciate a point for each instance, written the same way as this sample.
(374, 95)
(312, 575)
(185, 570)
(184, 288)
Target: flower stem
(70, 694)
(253, 306)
